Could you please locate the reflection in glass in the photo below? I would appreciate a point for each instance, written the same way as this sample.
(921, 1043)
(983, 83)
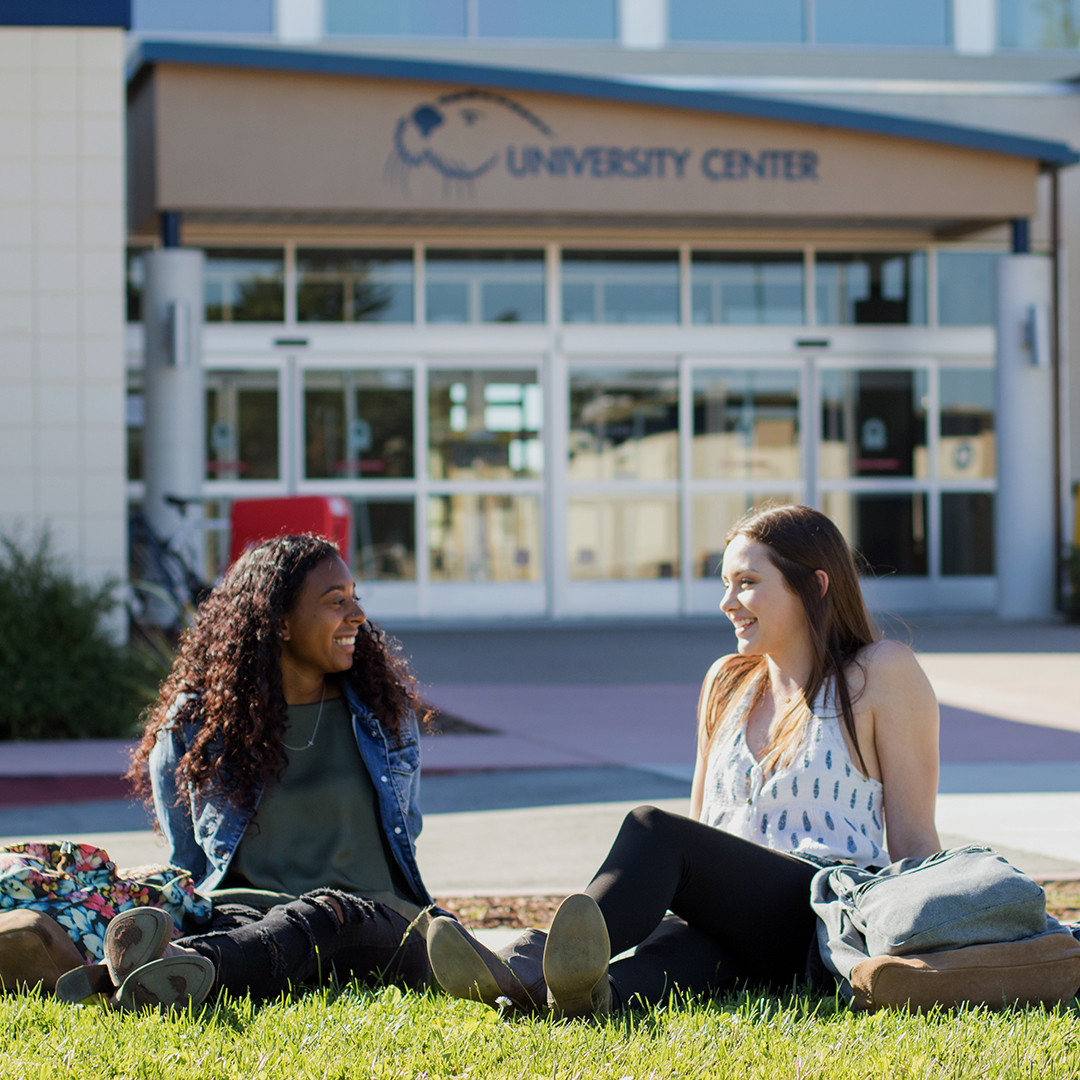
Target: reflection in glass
(1039, 24)
(620, 537)
(712, 514)
(967, 288)
(384, 535)
(471, 286)
(244, 285)
(756, 21)
(882, 22)
(411, 18)
(343, 285)
(873, 423)
(242, 425)
(595, 20)
(484, 424)
(136, 420)
(620, 287)
(484, 537)
(967, 533)
(358, 424)
(870, 287)
(746, 424)
(136, 282)
(747, 288)
(967, 445)
(888, 532)
(624, 424)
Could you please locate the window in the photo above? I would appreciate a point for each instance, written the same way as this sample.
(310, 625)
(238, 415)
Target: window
(244, 285)
(485, 286)
(484, 424)
(242, 425)
(746, 424)
(614, 537)
(415, 18)
(384, 539)
(872, 287)
(967, 533)
(882, 22)
(966, 445)
(136, 282)
(358, 424)
(1039, 24)
(888, 531)
(136, 421)
(624, 424)
(873, 423)
(620, 287)
(589, 19)
(967, 288)
(747, 288)
(759, 21)
(203, 16)
(484, 537)
(342, 285)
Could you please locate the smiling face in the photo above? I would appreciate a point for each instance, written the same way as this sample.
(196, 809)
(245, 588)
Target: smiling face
(319, 632)
(768, 617)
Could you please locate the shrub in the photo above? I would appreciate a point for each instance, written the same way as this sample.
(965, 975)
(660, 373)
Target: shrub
(61, 675)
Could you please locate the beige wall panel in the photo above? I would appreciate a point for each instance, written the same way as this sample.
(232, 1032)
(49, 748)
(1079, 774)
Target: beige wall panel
(244, 140)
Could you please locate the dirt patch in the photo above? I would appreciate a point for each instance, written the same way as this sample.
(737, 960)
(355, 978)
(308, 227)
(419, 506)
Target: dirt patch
(519, 912)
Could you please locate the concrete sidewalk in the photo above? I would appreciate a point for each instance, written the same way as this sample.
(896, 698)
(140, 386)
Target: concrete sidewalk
(587, 721)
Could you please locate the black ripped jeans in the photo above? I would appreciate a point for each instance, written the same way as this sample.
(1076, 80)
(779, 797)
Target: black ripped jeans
(264, 953)
(741, 912)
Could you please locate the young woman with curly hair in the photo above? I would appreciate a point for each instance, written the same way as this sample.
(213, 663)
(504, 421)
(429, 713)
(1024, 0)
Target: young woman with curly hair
(810, 737)
(282, 758)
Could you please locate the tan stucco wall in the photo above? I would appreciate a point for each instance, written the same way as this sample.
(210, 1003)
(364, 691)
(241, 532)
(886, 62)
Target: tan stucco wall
(248, 141)
(62, 293)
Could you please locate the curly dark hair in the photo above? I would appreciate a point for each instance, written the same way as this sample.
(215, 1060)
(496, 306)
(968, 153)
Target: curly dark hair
(227, 676)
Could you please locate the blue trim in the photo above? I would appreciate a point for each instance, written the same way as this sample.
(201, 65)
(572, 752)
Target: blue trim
(327, 63)
(66, 13)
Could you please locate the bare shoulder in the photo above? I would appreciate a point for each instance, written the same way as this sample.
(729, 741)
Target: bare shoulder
(890, 667)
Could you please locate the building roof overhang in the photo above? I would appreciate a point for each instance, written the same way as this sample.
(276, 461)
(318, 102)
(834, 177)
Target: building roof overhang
(1048, 153)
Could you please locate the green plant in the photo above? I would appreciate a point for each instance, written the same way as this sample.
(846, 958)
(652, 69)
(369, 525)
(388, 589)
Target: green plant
(62, 675)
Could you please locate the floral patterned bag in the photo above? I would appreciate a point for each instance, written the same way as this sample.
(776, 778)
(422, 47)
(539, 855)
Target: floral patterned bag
(81, 888)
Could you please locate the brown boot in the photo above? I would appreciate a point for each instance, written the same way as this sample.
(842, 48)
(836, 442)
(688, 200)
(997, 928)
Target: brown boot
(576, 959)
(466, 968)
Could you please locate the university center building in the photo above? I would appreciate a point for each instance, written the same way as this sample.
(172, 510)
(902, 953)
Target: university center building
(548, 336)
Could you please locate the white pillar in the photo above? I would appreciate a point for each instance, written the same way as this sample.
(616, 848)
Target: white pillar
(299, 21)
(1024, 514)
(643, 24)
(174, 449)
(975, 27)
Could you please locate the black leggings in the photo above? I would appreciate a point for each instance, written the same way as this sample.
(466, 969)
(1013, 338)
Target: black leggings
(741, 912)
(264, 953)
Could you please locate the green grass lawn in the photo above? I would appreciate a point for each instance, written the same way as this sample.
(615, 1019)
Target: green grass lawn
(361, 1034)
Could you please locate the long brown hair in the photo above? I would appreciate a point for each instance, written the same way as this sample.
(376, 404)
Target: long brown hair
(799, 542)
(227, 676)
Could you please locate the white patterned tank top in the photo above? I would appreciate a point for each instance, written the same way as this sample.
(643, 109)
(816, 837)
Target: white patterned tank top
(819, 805)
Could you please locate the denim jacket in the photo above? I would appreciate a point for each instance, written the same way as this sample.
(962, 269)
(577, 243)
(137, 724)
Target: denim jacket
(206, 847)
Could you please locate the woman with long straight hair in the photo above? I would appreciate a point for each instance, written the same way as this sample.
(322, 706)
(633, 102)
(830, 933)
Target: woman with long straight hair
(283, 761)
(811, 738)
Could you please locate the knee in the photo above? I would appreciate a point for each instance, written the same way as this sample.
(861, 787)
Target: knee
(647, 822)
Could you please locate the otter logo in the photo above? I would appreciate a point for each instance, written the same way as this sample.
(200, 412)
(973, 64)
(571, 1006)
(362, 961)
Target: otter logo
(460, 135)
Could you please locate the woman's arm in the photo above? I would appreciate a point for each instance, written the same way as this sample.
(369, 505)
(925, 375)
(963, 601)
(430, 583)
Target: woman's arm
(174, 814)
(905, 719)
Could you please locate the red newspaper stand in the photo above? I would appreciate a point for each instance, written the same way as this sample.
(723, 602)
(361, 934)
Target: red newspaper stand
(255, 520)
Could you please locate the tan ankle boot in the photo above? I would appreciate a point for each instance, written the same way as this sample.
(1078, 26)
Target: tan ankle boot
(576, 959)
(466, 968)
